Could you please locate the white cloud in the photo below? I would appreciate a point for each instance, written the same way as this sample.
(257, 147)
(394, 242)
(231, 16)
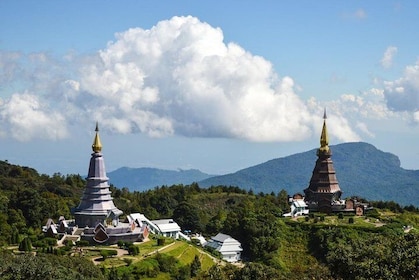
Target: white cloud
(9, 67)
(29, 119)
(339, 126)
(403, 93)
(179, 77)
(387, 60)
(370, 104)
(364, 128)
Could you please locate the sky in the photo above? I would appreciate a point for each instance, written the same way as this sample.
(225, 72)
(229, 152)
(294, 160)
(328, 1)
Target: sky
(209, 85)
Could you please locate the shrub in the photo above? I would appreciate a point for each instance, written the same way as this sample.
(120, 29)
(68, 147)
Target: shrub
(68, 243)
(213, 251)
(25, 245)
(373, 213)
(133, 250)
(50, 241)
(82, 243)
(121, 244)
(195, 266)
(128, 261)
(166, 263)
(108, 253)
(161, 241)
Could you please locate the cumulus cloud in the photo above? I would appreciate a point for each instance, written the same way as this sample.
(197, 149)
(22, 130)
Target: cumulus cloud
(179, 77)
(29, 119)
(403, 93)
(339, 126)
(370, 104)
(387, 60)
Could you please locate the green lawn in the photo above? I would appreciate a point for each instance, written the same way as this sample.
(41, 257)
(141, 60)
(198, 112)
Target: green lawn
(151, 246)
(186, 252)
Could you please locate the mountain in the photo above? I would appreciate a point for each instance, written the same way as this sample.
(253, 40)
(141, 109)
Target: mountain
(140, 179)
(361, 169)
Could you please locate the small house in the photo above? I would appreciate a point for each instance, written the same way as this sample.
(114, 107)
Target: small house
(298, 208)
(168, 228)
(229, 248)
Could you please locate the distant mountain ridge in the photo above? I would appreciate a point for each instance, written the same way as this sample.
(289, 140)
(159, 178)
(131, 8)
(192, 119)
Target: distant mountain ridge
(361, 170)
(146, 178)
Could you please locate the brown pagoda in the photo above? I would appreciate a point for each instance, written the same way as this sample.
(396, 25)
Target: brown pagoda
(323, 193)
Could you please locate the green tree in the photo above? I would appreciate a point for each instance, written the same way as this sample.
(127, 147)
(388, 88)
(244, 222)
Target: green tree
(108, 253)
(183, 273)
(195, 266)
(161, 241)
(133, 250)
(25, 245)
(257, 271)
(216, 223)
(166, 263)
(186, 215)
(5, 230)
(113, 274)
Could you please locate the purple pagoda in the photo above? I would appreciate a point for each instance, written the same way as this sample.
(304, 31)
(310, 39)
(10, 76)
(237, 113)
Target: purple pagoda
(97, 219)
(96, 205)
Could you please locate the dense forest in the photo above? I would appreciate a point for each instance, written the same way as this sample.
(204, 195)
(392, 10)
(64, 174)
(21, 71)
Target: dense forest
(314, 247)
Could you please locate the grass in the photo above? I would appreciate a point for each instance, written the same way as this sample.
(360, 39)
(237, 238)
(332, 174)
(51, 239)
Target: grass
(293, 254)
(186, 252)
(175, 249)
(145, 263)
(151, 246)
(359, 221)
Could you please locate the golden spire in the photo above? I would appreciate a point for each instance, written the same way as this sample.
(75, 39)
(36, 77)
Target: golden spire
(324, 138)
(97, 146)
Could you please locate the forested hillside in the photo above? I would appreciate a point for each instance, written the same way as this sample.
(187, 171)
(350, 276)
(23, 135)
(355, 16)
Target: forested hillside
(27, 198)
(377, 246)
(361, 169)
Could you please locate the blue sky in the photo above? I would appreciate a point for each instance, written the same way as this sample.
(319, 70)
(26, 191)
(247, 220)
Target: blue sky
(216, 86)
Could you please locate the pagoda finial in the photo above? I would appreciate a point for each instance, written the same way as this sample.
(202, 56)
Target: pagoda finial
(324, 138)
(97, 146)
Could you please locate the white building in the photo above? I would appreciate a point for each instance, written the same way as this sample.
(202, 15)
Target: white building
(229, 248)
(164, 227)
(298, 208)
(168, 228)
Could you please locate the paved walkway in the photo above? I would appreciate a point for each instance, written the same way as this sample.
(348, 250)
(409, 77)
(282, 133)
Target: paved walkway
(122, 252)
(98, 259)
